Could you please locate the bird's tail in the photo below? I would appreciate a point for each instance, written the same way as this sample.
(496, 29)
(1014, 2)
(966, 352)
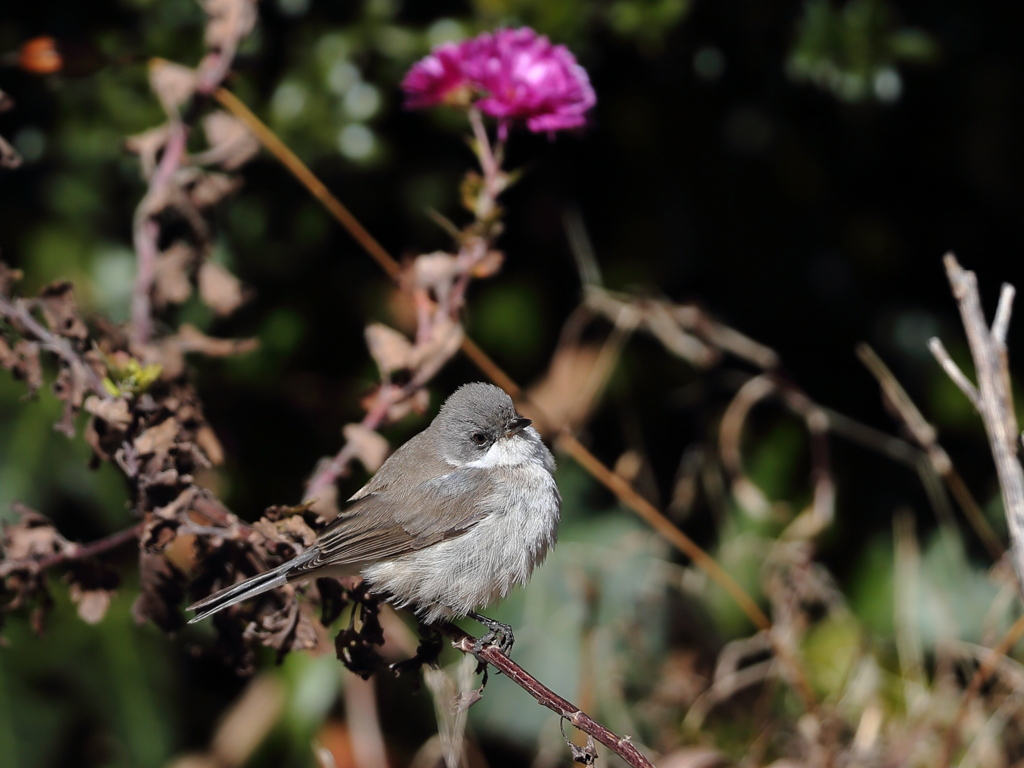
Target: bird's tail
(257, 585)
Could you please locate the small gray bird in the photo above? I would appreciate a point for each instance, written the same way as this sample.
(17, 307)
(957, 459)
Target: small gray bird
(455, 518)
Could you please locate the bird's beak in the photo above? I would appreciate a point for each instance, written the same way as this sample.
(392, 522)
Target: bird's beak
(516, 426)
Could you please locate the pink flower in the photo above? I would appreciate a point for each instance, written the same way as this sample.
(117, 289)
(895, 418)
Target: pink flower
(514, 74)
(525, 77)
(435, 79)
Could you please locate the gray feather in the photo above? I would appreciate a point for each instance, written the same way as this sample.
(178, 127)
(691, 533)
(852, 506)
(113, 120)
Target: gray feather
(251, 587)
(383, 525)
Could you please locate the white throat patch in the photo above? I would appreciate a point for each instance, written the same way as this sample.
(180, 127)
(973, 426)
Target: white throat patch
(506, 452)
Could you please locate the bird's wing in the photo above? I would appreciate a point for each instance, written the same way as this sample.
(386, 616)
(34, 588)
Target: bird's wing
(386, 524)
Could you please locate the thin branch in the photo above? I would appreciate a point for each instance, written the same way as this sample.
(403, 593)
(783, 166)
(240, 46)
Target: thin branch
(73, 552)
(1004, 309)
(926, 437)
(952, 370)
(995, 398)
(308, 179)
(622, 746)
(328, 472)
(146, 232)
(18, 313)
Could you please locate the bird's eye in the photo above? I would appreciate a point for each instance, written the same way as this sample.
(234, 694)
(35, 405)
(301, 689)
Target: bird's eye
(478, 437)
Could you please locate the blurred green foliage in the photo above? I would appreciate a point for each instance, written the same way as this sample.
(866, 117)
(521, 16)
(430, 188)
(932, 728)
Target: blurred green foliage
(854, 51)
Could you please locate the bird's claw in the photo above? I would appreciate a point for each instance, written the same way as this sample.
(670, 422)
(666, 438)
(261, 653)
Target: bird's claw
(500, 636)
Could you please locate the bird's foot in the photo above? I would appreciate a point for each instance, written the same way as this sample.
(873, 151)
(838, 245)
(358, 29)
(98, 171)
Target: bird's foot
(499, 635)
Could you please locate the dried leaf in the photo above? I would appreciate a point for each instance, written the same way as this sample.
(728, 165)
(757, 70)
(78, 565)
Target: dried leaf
(9, 157)
(171, 282)
(162, 587)
(113, 411)
(208, 443)
(467, 699)
(489, 264)
(69, 386)
(191, 339)
(444, 341)
(557, 396)
(299, 530)
(389, 349)
(158, 439)
(333, 600)
(295, 633)
(172, 83)
(6, 102)
(229, 22)
(435, 272)
(147, 146)
(206, 189)
(232, 144)
(418, 402)
(356, 645)
(33, 536)
(170, 351)
(92, 603)
(585, 755)
(61, 311)
(23, 363)
(369, 446)
(219, 289)
(427, 653)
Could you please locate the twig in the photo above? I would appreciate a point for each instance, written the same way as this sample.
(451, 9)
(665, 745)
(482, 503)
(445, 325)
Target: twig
(308, 179)
(994, 396)
(981, 676)
(329, 471)
(73, 552)
(622, 746)
(146, 231)
(952, 370)
(18, 313)
(926, 437)
(1004, 309)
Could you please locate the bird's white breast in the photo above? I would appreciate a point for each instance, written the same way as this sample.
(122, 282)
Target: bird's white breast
(477, 568)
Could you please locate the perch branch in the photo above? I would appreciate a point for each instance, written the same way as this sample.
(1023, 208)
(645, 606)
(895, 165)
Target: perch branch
(994, 396)
(622, 746)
